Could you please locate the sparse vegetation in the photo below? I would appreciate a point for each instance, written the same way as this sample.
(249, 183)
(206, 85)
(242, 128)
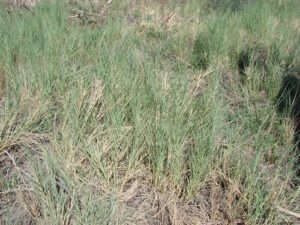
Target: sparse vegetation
(148, 112)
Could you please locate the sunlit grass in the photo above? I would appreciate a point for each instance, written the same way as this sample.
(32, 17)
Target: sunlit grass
(144, 117)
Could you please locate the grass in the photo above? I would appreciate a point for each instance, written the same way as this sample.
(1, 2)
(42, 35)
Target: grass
(141, 115)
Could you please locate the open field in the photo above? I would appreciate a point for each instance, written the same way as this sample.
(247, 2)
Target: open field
(147, 112)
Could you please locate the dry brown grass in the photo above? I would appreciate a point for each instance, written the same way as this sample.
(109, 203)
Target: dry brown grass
(149, 205)
(21, 3)
(219, 201)
(93, 14)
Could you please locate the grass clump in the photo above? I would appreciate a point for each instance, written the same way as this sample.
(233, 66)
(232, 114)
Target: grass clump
(227, 5)
(142, 119)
